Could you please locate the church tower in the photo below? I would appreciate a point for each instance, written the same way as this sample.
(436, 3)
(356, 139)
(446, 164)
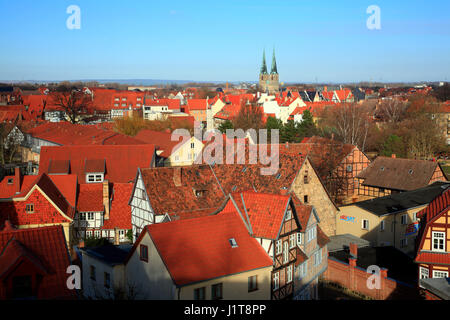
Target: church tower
(269, 82)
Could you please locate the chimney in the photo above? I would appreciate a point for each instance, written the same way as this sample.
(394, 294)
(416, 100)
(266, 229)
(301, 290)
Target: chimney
(353, 250)
(177, 176)
(394, 156)
(81, 244)
(332, 136)
(116, 236)
(106, 198)
(17, 179)
(287, 145)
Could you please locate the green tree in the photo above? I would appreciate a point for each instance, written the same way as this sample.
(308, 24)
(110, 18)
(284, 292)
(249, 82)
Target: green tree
(307, 127)
(273, 124)
(227, 124)
(393, 145)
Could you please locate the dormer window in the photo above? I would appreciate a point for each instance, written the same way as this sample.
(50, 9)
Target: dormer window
(233, 243)
(94, 177)
(199, 193)
(10, 181)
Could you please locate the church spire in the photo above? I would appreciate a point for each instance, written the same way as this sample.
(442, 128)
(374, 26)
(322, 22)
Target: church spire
(264, 66)
(274, 64)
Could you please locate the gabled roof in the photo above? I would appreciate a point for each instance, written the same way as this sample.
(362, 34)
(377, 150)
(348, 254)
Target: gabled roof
(404, 200)
(172, 190)
(47, 247)
(190, 259)
(265, 211)
(90, 197)
(398, 174)
(120, 211)
(121, 161)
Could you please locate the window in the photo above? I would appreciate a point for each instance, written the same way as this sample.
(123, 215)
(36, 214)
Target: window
(97, 233)
(29, 208)
(289, 273)
(276, 281)
(318, 257)
(90, 216)
(106, 280)
(216, 291)
(440, 274)
(305, 198)
(94, 178)
(88, 234)
(404, 219)
(310, 234)
(288, 215)
(199, 293)
(382, 223)
(92, 273)
(349, 168)
(10, 181)
(292, 241)
(82, 216)
(303, 269)
(424, 273)
(278, 247)
(233, 243)
(252, 283)
(438, 241)
(286, 252)
(299, 238)
(365, 224)
(144, 253)
(192, 145)
(305, 178)
(403, 243)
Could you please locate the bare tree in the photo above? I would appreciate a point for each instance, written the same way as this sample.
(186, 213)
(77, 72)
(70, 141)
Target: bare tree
(250, 116)
(391, 110)
(75, 104)
(9, 143)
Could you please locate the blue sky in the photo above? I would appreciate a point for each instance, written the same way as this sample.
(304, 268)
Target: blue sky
(315, 40)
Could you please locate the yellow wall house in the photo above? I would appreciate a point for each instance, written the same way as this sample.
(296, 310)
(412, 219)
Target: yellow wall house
(181, 151)
(207, 258)
(390, 220)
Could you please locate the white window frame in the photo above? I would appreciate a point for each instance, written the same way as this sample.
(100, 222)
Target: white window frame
(276, 281)
(289, 274)
(362, 224)
(286, 252)
(310, 234)
(89, 234)
(97, 233)
(424, 273)
(292, 241)
(318, 257)
(443, 274)
(404, 219)
(299, 239)
(278, 247)
(433, 237)
(90, 216)
(288, 215)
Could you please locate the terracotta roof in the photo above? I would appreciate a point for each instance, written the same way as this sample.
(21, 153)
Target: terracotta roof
(120, 211)
(90, 197)
(196, 104)
(59, 167)
(121, 162)
(322, 238)
(43, 247)
(177, 196)
(265, 211)
(94, 165)
(433, 258)
(398, 174)
(435, 207)
(228, 112)
(162, 140)
(189, 258)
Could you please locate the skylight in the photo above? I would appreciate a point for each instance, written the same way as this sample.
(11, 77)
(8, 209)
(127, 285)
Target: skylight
(233, 243)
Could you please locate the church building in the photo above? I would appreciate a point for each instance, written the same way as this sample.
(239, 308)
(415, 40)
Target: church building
(269, 83)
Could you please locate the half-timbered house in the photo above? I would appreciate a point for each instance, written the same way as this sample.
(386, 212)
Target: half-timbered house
(433, 245)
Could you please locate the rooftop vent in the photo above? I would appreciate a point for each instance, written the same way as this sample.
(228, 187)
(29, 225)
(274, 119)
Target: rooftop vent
(382, 168)
(233, 243)
(410, 171)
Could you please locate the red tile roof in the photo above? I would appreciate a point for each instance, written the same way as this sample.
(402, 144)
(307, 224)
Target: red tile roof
(189, 258)
(228, 112)
(120, 211)
(66, 133)
(90, 197)
(122, 161)
(265, 211)
(433, 258)
(45, 247)
(161, 140)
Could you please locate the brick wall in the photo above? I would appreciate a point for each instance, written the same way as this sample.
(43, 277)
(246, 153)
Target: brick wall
(354, 278)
